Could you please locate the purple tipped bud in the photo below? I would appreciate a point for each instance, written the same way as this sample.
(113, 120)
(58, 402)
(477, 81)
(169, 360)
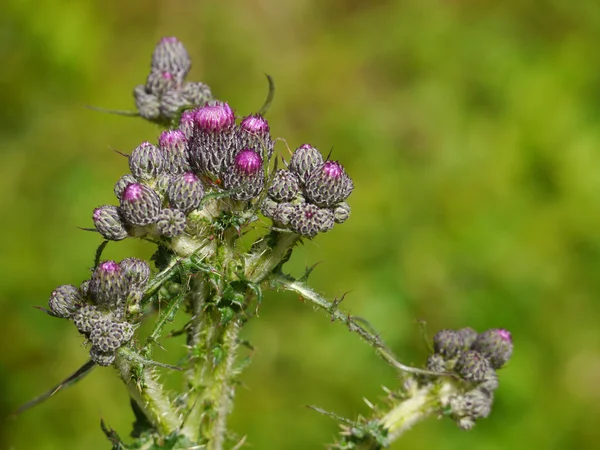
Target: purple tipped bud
(108, 285)
(496, 345)
(140, 205)
(173, 144)
(341, 212)
(328, 184)
(447, 343)
(160, 82)
(285, 186)
(254, 133)
(146, 161)
(136, 272)
(85, 318)
(102, 358)
(171, 222)
(109, 224)
(268, 207)
(468, 335)
(148, 105)
(122, 184)
(304, 160)
(170, 55)
(308, 220)
(284, 213)
(108, 335)
(214, 118)
(472, 366)
(186, 122)
(245, 177)
(196, 93)
(65, 300)
(185, 192)
(171, 103)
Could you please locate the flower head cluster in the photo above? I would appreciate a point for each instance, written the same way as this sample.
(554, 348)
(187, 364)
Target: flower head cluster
(309, 196)
(98, 308)
(474, 357)
(166, 91)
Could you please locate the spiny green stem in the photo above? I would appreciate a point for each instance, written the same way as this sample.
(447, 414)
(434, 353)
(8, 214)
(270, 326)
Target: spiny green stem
(268, 254)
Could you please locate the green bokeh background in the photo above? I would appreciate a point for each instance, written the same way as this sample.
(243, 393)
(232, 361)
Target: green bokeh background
(471, 129)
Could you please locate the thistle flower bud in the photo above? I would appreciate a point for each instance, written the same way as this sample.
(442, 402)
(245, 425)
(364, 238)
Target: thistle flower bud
(496, 345)
(254, 133)
(185, 192)
(136, 272)
(472, 366)
(186, 122)
(109, 224)
(173, 145)
(341, 212)
(268, 207)
(171, 222)
(308, 220)
(84, 289)
(148, 105)
(108, 335)
(245, 176)
(214, 139)
(102, 358)
(436, 363)
(140, 205)
(285, 186)
(170, 55)
(468, 335)
(284, 213)
(86, 317)
(146, 161)
(162, 183)
(304, 160)
(122, 183)
(65, 300)
(328, 184)
(476, 403)
(196, 93)
(108, 285)
(447, 343)
(160, 82)
(171, 103)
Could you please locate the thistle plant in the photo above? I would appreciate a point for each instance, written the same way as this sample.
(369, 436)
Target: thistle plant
(195, 192)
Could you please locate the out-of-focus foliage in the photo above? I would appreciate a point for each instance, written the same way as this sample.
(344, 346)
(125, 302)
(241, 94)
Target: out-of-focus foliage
(472, 132)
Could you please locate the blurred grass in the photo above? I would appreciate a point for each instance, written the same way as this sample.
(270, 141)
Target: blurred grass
(471, 130)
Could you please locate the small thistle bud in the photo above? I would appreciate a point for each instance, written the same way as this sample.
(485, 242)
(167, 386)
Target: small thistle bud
(304, 160)
(496, 345)
(122, 184)
(308, 220)
(447, 343)
(341, 212)
(171, 103)
(185, 192)
(254, 133)
(65, 300)
(146, 161)
(490, 381)
(468, 335)
(84, 288)
(136, 272)
(160, 82)
(284, 213)
(186, 122)
(171, 222)
(173, 145)
(196, 93)
(109, 224)
(436, 363)
(101, 358)
(170, 55)
(245, 176)
(86, 317)
(476, 404)
(140, 205)
(328, 184)
(148, 105)
(108, 335)
(108, 285)
(162, 183)
(472, 366)
(268, 207)
(214, 139)
(285, 186)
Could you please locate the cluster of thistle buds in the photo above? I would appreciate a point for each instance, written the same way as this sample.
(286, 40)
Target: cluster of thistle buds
(100, 306)
(475, 358)
(166, 92)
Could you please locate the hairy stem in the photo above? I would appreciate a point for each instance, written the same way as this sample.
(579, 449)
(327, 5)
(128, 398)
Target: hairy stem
(268, 254)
